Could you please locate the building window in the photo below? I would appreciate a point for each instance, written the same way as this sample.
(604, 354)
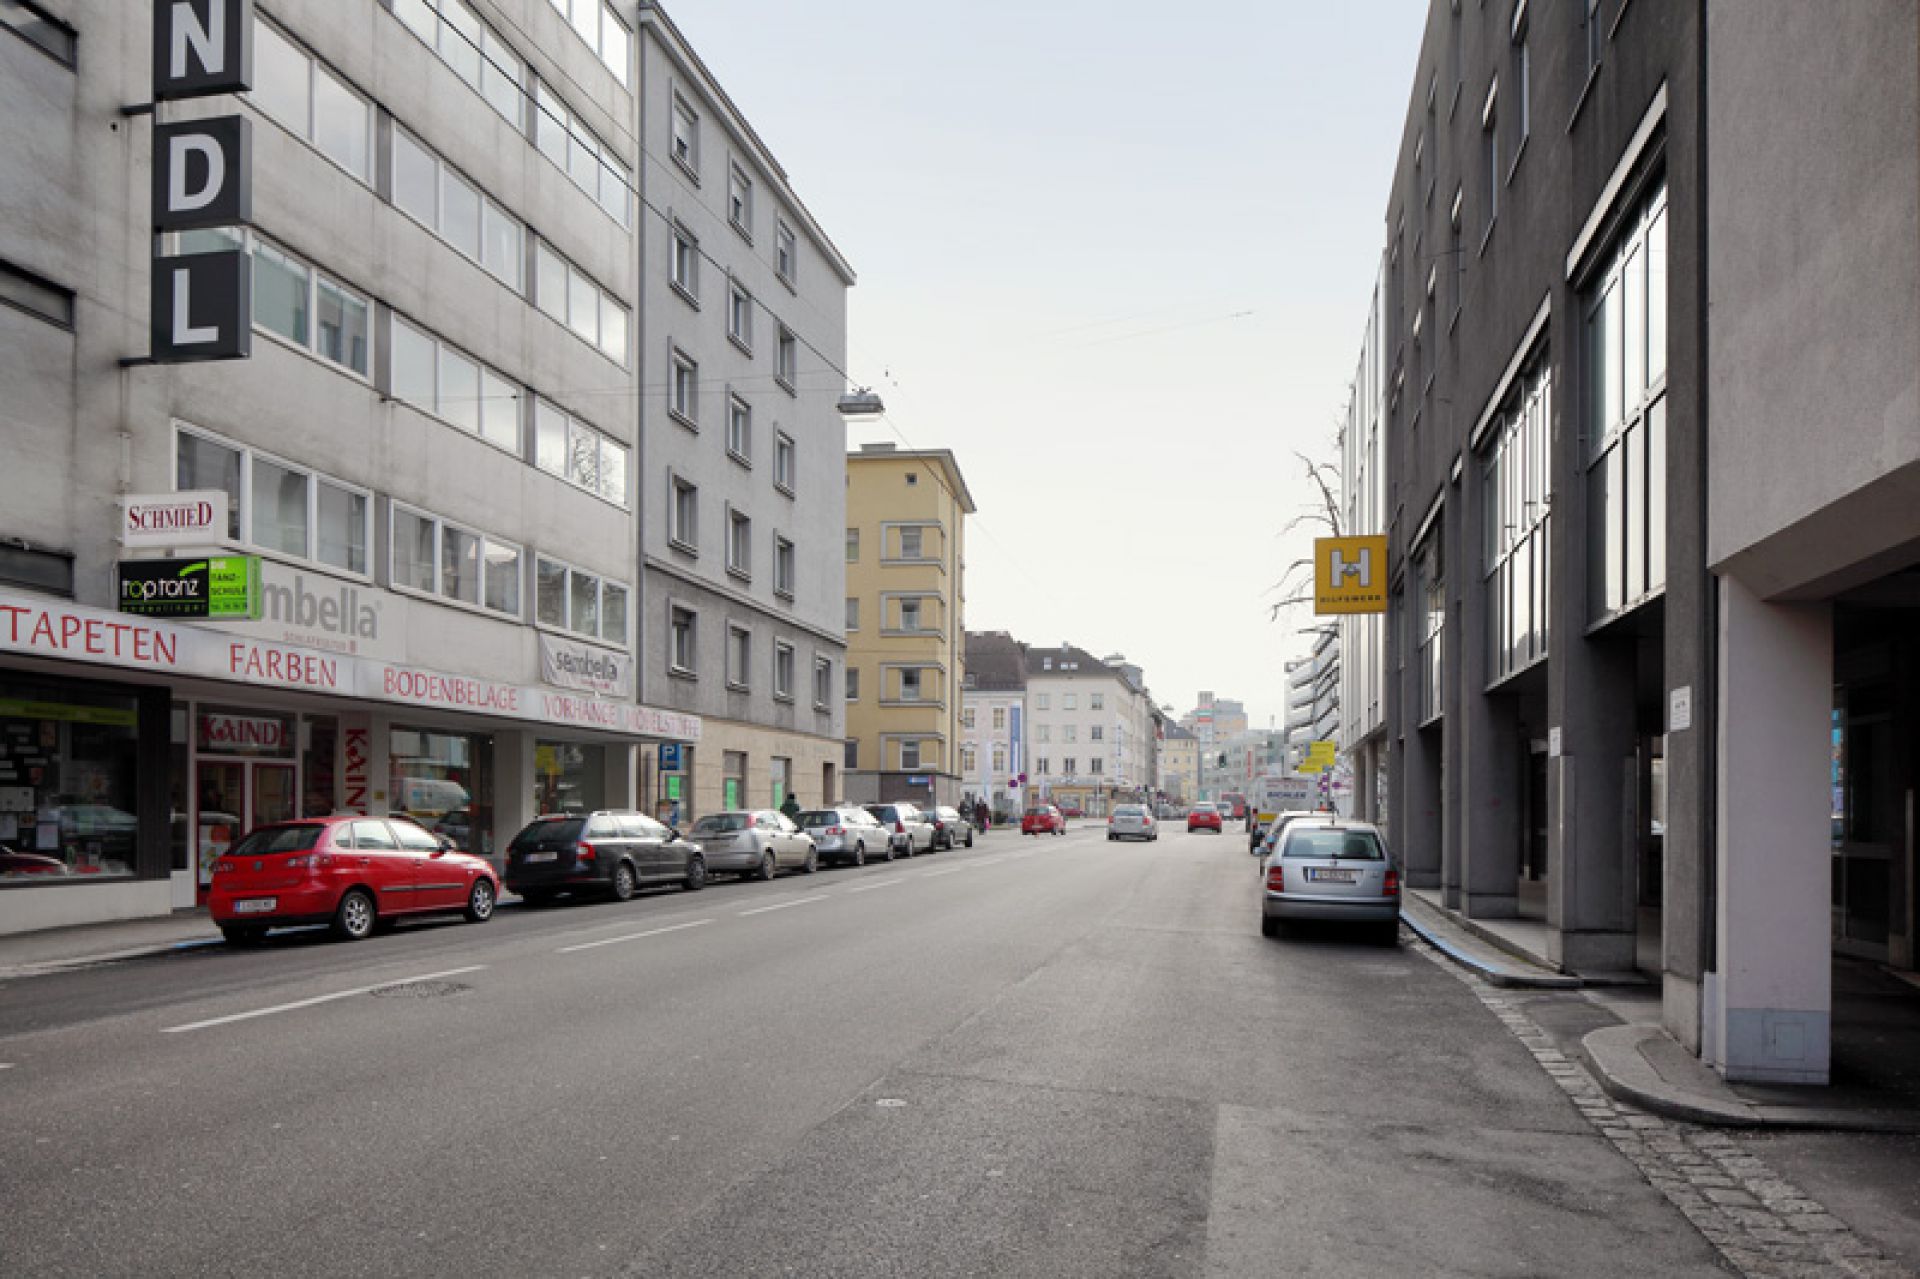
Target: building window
(1096, 733)
(967, 717)
(604, 33)
(569, 295)
(739, 655)
(853, 546)
(910, 615)
(1069, 701)
(1431, 624)
(313, 103)
(910, 684)
(1043, 765)
(1041, 701)
(570, 599)
(1626, 417)
(739, 429)
(294, 301)
(1069, 732)
(1515, 499)
(785, 252)
(853, 684)
(822, 683)
(910, 753)
(686, 136)
(28, 292)
(783, 461)
(569, 448)
(851, 759)
(1596, 35)
(910, 543)
(277, 506)
(853, 612)
(681, 635)
(1490, 156)
(783, 567)
(739, 544)
(1457, 269)
(740, 200)
(430, 375)
(1095, 766)
(1070, 766)
(437, 557)
(786, 357)
(46, 33)
(573, 148)
(434, 195)
(468, 46)
(999, 757)
(783, 671)
(683, 397)
(686, 263)
(968, 758)
(1043, 732)
(740, 318)
(1522, 75)
(683, 515)
(999, 718)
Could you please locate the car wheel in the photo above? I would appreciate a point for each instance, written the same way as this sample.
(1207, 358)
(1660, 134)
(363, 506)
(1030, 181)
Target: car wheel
(859, 854)
(623, 882)
(769, 867)
(969, 839)
(696, 873)
(813, 862)
(242, 934)
(480, 901)
(889, 852)
(355, 917)
(1270, 927)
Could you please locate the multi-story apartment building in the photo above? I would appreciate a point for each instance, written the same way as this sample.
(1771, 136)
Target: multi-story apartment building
(1313, 695)
(742, 453)
(993, 720)
(1362, 683)
(1179, 764)
(427, 469)
(1215, 719)
(905, 623)
(1649, 649)
(1090, 731)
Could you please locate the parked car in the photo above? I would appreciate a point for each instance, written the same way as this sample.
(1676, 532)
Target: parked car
(1132, 821)
(1043, 819)
(912, 829)
(610, 851)
(457, 825)
(1071, 810)
(950, 827)
(846, 834)
(351, 872)
(755, 843)
(1330, 869)
(1204, 816)
(1270, 833)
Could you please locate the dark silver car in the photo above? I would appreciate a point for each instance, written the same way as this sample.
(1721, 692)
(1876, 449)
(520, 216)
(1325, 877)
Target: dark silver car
(951, 828)
(756, 843)
(846, 834)
(1331, 870)
(612, 851)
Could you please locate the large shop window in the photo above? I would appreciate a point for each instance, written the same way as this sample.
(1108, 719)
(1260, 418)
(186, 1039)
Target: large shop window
(1626, 418)
(68, 774)
(445, 782)
(569, 777)
(293, 300)
(278, 506)
(1515, 504)
(570, 599)
(438, 557)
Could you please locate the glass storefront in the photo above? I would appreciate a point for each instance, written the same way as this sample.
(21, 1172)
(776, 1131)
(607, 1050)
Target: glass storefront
(244, 775)
(569, 777)
(445, 782)
(68, 781)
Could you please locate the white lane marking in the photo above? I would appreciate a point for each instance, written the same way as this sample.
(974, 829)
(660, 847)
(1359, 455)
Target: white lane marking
(798, 901)
(935, 874)
(6, 1065)
(652, 932)
(878, 883)
(317, 999)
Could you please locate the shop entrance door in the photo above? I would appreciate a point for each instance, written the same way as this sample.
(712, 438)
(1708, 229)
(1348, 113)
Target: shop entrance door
(231, 798)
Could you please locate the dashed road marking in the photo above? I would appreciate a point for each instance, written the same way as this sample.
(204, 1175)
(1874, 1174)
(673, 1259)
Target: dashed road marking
(878, 883)
(651, 932)
(317, 999)
(798, 901)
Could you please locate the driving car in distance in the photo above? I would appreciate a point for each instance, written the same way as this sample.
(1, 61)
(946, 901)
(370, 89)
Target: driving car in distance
(754, 843)
(350, 872)
(1043, 819)
(846, 834)
(950, 827)
(1334, 870)
(1203, 816)
(612, 851)
(912, 829)
(1132, 821)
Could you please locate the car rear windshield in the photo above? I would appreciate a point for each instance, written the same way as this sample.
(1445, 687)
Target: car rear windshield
(721, 824)
(885, 813)
(555, 830)
(1037, 812)
(1344, 845)
(277, 839)
(1203, 808)
(818, 817)
(1129, 810)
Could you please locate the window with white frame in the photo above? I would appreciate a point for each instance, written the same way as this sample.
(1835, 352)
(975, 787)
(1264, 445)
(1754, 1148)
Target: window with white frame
(596, 22)
(686, 263)
(1041, 701)
(853, 546)
(1515, 499)
(570, 296)
(681, 636)
(470, 48)
(739, 544)
(785, 251)
(850, 759)
(783, 671)
(1522, 76)
(910, 684)
(1096, 701)
(999, 757)
(1490, 152)
(279, 506)
(740, 200)
(786, 358)
(1043, 765)
(435, 556)
(783, 567)
(853, 683)
(587, 604)
(293, 300)
(683, 388)
(565, 446)
(999, 718)
(911, 543)
(910, 753)
(739, 655)
(429, 374)
(593, 166)
(822, 683)
(1070, 766)
(1043, 732)
(968, 758)
(685, 143)
(1095, 766)
(1096, 733)
(740, 317)
(783, 461)
(311, 101)
(1069, 701)
(428, 190)
(1069, 732)
(853, 612)
(683, 514)
(739, 429)
(910, 614)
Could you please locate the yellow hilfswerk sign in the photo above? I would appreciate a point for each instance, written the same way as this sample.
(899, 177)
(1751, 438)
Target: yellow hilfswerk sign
(1350, 575)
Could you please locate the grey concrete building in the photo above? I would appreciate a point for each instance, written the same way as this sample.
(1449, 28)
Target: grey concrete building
(1646, 447)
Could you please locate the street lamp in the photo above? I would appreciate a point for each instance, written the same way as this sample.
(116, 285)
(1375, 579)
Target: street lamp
(861, 402)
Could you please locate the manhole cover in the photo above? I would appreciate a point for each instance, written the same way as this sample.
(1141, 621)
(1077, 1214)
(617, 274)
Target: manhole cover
(418, 990)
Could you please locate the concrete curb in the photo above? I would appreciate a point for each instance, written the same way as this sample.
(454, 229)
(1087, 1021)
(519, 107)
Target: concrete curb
(1498, 971)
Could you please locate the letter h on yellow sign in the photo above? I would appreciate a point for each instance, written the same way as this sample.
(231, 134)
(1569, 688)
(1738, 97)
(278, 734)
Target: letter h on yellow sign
(1349, 575)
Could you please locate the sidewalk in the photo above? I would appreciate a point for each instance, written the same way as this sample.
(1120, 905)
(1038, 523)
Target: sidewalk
(1875, 1071)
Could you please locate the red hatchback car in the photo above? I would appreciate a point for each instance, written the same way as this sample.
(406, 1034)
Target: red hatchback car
(351, 872)
(1043, 820)
(1204, 817)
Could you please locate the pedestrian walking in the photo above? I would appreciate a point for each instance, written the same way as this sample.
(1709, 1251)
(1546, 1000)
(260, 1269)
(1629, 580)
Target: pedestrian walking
(980, 815)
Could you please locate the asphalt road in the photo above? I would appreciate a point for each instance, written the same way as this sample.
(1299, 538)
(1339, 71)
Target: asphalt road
(1040, 1057)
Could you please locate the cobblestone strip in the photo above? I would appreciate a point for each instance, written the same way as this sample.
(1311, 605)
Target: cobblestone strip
(1761, 1223)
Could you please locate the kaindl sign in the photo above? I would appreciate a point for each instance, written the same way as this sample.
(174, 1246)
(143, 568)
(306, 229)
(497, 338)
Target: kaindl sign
(569, 664)
(174, 519)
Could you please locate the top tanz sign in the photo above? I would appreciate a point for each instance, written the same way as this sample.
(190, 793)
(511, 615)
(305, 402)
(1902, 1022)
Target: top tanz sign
(174, 519)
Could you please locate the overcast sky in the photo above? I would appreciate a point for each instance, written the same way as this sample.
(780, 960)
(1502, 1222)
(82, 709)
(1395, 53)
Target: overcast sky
(1117, 257)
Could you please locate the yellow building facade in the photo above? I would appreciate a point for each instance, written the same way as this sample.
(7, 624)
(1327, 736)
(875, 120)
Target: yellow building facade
(906, 627)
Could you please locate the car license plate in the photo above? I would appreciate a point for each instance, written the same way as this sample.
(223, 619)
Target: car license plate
(255, 905)
(543, 857)
(1326, 875)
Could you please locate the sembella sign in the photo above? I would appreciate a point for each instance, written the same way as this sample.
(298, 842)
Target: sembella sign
(218, 586)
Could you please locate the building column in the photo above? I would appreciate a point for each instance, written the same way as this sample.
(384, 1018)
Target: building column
(513, 787)
(1490, 808)
(621, 790)
(1362, 783)
(1420, 803)
(1770, 1001)
(1592, 786)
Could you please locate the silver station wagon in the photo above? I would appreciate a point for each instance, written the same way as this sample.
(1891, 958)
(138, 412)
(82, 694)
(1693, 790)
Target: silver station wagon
(1331, 870)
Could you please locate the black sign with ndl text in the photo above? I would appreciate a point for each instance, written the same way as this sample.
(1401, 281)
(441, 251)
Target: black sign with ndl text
(201, 47)
(203, 173)
(202, 307)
